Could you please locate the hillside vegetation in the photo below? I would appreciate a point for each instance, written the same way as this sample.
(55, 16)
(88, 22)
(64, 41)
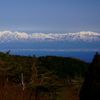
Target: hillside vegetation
(42, 78)
(91, 87)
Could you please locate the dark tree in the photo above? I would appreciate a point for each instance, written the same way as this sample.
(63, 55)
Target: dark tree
(8, 52)
(91, 86)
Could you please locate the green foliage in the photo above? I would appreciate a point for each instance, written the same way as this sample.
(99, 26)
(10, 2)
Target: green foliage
(42, 77)
(91, 86)
(14, 65)
(51, 91)
(65, 67)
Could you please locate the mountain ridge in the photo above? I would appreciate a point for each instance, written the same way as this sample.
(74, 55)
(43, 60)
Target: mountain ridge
(85, 36)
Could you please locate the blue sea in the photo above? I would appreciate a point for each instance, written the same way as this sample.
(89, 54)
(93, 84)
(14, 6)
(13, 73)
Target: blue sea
(83, 55)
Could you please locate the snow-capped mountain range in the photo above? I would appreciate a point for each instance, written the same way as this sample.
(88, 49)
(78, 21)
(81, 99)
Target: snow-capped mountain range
(14, 37)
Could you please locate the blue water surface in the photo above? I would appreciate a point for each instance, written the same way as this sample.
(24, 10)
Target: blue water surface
(85, 56)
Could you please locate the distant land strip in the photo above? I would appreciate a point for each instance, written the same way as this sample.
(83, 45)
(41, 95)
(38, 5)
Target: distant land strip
(59, 50)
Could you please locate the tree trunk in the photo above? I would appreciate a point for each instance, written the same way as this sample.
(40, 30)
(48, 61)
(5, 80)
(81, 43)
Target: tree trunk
(22, 80)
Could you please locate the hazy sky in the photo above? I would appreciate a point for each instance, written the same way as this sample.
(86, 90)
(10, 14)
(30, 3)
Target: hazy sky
(50, 16)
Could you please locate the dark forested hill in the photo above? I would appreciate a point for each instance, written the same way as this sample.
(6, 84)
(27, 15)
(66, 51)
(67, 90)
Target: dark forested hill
(91, 86)
(42, 78)
(64, 66)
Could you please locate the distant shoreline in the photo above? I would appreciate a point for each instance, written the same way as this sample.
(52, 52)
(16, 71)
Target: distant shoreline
(62, 50)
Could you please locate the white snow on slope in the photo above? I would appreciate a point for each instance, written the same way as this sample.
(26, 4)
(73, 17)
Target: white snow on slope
(8, 36)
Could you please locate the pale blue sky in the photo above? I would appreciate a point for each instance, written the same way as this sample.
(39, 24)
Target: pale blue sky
(50, 16)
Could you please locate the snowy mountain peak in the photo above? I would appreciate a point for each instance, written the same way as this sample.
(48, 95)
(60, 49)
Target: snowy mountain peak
(5, 32)
(88, 33)
(21, 35)
(8, 36)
